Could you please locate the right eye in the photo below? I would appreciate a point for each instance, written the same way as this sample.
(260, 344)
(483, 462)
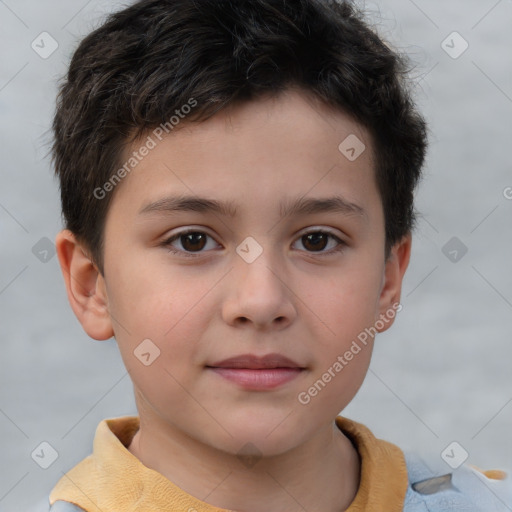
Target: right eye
(192, 240)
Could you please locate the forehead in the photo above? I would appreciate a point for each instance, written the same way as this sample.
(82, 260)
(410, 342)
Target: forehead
(265, 153)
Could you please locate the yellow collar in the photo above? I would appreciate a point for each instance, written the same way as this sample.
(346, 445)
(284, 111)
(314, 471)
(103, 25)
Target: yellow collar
(111, 478)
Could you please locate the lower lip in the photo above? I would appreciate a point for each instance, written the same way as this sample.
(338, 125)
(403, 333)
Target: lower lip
(263, 379)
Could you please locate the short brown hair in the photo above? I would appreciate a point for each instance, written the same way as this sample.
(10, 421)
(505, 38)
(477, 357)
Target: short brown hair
(148, 60)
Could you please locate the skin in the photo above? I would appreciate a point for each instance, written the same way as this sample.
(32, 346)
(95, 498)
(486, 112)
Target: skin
(297, 299)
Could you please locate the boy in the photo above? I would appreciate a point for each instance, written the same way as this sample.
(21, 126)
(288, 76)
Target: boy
(280, 138)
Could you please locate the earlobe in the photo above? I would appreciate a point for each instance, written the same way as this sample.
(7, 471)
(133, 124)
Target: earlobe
(85, 287)
(395, 268)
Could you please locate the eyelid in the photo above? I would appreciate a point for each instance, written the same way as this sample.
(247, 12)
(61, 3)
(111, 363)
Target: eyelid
(315, 229)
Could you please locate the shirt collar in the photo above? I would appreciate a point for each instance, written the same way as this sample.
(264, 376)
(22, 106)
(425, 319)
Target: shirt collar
(112, 478)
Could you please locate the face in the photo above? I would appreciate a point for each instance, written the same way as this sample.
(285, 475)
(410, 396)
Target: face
(189, 287)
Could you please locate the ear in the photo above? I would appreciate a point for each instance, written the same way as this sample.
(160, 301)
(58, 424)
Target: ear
(391, 290)
(85, 287)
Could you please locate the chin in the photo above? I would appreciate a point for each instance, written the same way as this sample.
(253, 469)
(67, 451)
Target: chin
(261, 439)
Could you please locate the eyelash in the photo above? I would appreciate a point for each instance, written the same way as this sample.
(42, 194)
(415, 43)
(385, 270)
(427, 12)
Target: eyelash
(167, 243)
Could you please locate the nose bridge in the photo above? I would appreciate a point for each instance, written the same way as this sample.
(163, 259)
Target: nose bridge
(264, 277)
(259, 268)
(258, 290)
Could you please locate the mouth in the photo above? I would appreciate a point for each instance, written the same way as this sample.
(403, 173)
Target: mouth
(257, 373)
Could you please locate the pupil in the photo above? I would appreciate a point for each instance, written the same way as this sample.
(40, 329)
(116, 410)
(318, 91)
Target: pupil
(194, 237)
(315, 237)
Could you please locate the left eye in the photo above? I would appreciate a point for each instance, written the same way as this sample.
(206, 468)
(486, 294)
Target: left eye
(318, 240)
(193, 242)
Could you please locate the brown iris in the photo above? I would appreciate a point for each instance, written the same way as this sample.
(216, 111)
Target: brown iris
(315, 240)
(197, 241)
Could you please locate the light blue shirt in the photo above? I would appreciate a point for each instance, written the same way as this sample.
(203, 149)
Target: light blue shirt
(463, 489)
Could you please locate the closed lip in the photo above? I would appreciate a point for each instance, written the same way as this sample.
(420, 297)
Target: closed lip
(253, 362)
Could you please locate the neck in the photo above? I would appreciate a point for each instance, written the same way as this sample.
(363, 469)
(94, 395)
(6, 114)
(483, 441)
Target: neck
(320, 474)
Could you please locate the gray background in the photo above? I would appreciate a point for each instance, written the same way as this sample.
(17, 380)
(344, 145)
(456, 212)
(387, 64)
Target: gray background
(441, 374)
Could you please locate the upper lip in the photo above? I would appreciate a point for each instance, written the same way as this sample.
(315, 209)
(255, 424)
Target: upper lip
(254, 362)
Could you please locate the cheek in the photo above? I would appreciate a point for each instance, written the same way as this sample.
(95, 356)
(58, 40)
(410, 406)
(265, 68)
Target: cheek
(345, 307)
(157, 321)
(335, 380)
(345, 304)
(155, 302)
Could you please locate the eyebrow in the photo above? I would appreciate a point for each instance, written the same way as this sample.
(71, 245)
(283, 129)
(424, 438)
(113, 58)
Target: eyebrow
(301, 206)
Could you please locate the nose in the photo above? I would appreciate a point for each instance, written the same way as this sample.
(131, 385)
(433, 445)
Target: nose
(259, 295)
